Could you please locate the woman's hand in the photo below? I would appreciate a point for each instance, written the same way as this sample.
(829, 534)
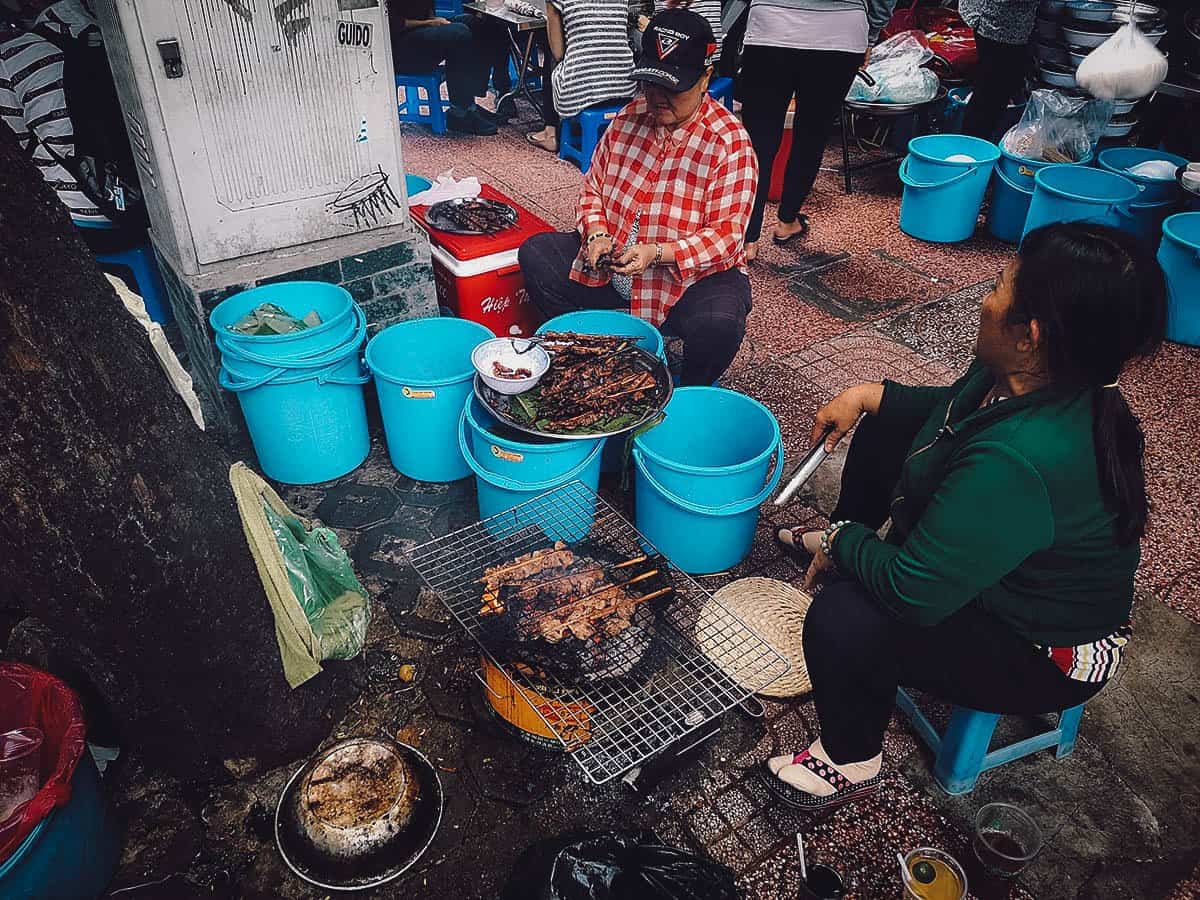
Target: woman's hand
(636, 260)
(818, 570)
(595, 249)
(643, 22)
(841, 413)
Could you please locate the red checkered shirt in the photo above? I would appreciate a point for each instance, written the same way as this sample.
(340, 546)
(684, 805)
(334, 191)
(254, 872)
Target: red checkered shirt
(694, 188)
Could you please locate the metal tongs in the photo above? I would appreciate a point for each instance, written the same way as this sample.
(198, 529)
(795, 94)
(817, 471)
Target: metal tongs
(807, 468)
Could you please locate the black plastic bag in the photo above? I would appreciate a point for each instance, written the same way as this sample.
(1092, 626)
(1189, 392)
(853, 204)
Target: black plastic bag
(609, 865)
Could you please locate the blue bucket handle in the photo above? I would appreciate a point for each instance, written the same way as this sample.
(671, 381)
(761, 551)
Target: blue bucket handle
(237, 352)
(729, 509)
(904, 176)
(508, 484)
(1012, 184)
(325, 376)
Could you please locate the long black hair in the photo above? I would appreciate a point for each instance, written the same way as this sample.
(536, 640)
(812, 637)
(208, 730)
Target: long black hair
(1100, 299)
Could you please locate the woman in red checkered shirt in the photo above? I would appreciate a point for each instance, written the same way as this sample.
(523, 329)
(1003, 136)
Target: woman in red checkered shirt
(663, 211)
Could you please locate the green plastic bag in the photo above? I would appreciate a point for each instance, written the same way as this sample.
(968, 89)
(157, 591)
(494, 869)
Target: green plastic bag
(325, 584)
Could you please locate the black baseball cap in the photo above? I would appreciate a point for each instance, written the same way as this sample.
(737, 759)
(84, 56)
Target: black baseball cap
(677, 48)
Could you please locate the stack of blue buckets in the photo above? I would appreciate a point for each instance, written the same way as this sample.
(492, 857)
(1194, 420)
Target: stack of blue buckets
(301, 393)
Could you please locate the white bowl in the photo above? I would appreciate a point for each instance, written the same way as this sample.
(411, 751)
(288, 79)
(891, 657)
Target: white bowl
(512, 353)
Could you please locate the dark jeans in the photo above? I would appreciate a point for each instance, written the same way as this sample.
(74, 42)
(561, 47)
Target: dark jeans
(710, 316)
(999, 74)
(468, 60)
(771, 77)
(858, 654)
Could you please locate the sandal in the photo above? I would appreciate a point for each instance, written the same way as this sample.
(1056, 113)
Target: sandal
(809, 541)
(783, 242)
(844, 790)
(550, 145)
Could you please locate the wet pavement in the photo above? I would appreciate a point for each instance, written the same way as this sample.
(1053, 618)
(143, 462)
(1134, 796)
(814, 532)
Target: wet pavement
(858, 301)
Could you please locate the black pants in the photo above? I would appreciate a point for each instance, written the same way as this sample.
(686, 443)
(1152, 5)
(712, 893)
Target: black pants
(469, 55)
(771, 77)
(999, 74)
(858, 654)
(710, 316)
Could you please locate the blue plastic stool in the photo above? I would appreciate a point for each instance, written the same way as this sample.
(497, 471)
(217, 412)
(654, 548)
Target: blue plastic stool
(410, 108)
(962, 752)
(722, 89)
(141, 263)
(447, 7)
(582, 132)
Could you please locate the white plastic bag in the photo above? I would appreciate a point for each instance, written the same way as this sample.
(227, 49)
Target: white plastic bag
(895, 74)
(1125, 67)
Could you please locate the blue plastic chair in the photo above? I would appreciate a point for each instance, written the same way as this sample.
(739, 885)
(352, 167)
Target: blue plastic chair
(961, 754)
(141, 263)
(429, 109)
(581, 134)
(722, 89)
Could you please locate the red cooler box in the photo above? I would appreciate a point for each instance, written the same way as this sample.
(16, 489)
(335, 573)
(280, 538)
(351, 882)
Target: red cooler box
(477, 276)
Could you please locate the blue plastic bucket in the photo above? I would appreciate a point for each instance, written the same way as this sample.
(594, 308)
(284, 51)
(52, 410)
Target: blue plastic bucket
(1179, 255)
(941, 198)
(1152, 190)
(423, 376)
(701, 475)
(308, 424)
(251, 363)
(1012, 190)
(1080, 194)
(509, 473)
(72, 852)
(331, 302)
(610, 321)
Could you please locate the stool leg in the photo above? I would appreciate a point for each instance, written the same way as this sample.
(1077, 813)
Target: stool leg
(437, 110)
(567, 147)
(1068, 726)
(964, 746)
(590, 140)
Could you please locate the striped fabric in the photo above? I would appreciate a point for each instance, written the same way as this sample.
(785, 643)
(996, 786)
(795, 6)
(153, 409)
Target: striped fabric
(599, 57)
(32, 101)
(1095, 661)
(710, 9)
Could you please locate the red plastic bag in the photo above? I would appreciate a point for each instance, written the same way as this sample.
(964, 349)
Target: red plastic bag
(29, 696)
(949, 37)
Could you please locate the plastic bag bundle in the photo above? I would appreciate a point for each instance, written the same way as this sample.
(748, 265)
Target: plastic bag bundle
(1161, 169)
(268, 319)
(895, 74)
(1057, 127)
(1127, 66)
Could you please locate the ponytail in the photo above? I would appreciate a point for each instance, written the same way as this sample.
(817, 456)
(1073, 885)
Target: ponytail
(1120, 448)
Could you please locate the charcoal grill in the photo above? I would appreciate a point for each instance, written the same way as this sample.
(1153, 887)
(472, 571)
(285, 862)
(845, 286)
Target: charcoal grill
(664, 693)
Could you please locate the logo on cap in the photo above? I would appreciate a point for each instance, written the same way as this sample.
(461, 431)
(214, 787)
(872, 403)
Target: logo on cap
(668, 41)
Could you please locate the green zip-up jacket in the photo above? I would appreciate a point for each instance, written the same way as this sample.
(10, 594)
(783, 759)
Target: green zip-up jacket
(999, 506)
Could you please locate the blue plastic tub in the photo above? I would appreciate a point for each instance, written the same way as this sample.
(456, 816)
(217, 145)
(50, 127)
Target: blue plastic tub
(1179, 255)
(942, 198)
(252, 363)
(510, 472)
(610, 321)
(331, 302)
(1080, 194)
(701, 475)
(1012, 190)
(1158, 197)
(423, 376)
(308, 424)
(72, 853)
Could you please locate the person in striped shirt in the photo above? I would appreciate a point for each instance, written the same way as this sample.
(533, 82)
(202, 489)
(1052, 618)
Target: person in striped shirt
(32, 102)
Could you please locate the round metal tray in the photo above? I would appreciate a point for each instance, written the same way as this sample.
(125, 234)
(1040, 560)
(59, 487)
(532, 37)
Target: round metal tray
(436, 218)
(892, 110)
(404, 850)
(497, 404)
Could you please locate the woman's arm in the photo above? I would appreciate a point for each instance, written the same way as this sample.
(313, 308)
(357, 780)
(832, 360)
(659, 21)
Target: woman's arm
(879, 12)
(990, 513)
(555, 36)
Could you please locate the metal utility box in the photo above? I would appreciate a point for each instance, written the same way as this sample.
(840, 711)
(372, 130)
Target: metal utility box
(258, 124)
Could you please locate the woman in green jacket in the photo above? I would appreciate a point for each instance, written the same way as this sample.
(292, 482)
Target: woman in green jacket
(1017, 500)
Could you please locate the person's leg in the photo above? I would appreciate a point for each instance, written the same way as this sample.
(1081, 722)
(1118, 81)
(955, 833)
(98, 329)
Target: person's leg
(998, 75)
(550, 136)
(546, 261)
(872, 468)
(711, 319)
(821, 79)
(764, 113)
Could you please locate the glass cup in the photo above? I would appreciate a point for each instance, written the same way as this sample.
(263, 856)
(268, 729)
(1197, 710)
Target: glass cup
(932, 874)
(1006, 839)
(823, 883)
(20, 769)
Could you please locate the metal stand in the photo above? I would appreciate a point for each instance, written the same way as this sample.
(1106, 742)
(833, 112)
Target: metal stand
(525, 56)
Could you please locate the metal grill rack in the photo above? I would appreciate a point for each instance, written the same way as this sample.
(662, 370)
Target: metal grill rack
(697, 661)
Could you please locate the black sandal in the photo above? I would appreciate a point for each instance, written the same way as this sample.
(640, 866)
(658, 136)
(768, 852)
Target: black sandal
(844, 790)
(803, 232)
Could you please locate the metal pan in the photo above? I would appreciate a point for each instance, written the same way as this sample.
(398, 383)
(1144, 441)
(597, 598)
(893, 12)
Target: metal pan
(1057, 75)
(1143, 13)
(435, 217)
(1120, 127)
(1090, 10)
(893, 110)
(498, 404)
(1089, 35)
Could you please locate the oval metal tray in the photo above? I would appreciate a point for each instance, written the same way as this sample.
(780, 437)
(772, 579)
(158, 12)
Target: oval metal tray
(890, 110)
(497, 404)
(435, 216)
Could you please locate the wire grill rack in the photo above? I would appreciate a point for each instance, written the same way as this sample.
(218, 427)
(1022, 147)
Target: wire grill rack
(688, 663)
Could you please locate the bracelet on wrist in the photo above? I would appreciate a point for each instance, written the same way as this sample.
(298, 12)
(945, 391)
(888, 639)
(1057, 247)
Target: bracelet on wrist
(658, 254)
(596, 235)
(828, 533)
